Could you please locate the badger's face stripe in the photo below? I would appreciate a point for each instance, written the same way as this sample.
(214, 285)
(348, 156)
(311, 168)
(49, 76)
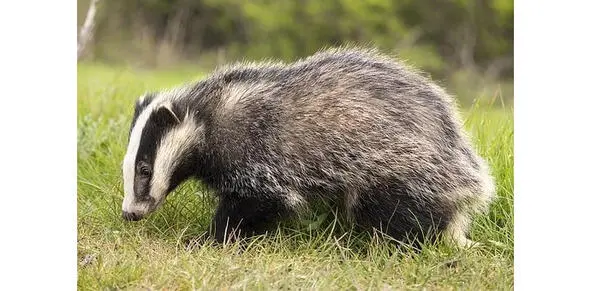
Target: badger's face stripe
(129, 161)
(151, 135)
(158, 143)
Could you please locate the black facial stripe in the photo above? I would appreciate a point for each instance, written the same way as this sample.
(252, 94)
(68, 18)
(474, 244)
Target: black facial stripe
(150, 139)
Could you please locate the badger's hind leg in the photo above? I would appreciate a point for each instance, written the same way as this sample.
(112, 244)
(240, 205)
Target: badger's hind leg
(470, 202)
(473, 203)
(239, 217)
(393, 211)
(457, 230)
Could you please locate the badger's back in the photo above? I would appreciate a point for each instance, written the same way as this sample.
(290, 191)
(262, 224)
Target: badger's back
(344, 118)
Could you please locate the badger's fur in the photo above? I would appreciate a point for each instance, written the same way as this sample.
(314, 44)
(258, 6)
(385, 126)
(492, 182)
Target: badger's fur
(348, 125)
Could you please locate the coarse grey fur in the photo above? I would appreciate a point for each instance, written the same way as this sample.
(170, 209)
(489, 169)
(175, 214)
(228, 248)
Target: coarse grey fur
(349, 125)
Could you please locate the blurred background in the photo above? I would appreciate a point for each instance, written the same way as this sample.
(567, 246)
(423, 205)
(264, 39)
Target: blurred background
(466, 45)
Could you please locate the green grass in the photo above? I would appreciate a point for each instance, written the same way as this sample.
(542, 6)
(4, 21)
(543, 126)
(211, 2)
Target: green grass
(318, 255)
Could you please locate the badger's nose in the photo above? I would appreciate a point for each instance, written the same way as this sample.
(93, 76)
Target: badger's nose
(131, 216)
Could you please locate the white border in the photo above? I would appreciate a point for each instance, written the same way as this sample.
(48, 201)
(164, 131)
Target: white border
(38, 145)
(552, 145)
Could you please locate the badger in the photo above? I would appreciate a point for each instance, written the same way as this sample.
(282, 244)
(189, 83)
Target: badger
(353, 126)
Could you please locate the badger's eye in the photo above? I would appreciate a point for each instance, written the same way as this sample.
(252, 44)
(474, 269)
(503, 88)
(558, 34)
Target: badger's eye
(144, 169)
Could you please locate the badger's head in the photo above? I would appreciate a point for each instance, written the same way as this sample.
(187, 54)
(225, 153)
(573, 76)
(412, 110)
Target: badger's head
(162, 147)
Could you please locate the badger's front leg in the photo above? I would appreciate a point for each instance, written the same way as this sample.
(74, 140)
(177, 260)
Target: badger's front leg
(239, 217)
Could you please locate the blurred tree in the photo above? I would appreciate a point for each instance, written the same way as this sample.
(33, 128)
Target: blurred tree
(87, 30)
(439, 36)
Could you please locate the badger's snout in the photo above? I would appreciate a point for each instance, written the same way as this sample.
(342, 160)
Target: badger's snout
(131, 216)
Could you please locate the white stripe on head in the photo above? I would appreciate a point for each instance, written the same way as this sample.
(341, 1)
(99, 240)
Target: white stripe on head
(131, 154)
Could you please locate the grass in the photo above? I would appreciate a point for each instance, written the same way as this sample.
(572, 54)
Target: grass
(318, 254)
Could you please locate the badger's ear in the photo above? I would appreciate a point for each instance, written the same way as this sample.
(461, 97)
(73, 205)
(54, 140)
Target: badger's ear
(165, 116)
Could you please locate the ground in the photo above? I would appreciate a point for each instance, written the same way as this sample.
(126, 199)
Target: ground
(318, 253)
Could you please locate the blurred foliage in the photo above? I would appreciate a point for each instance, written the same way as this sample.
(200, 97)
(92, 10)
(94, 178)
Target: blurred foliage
(441, 37)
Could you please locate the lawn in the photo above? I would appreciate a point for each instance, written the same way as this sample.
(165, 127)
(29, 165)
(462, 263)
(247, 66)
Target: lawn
(317, 253)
